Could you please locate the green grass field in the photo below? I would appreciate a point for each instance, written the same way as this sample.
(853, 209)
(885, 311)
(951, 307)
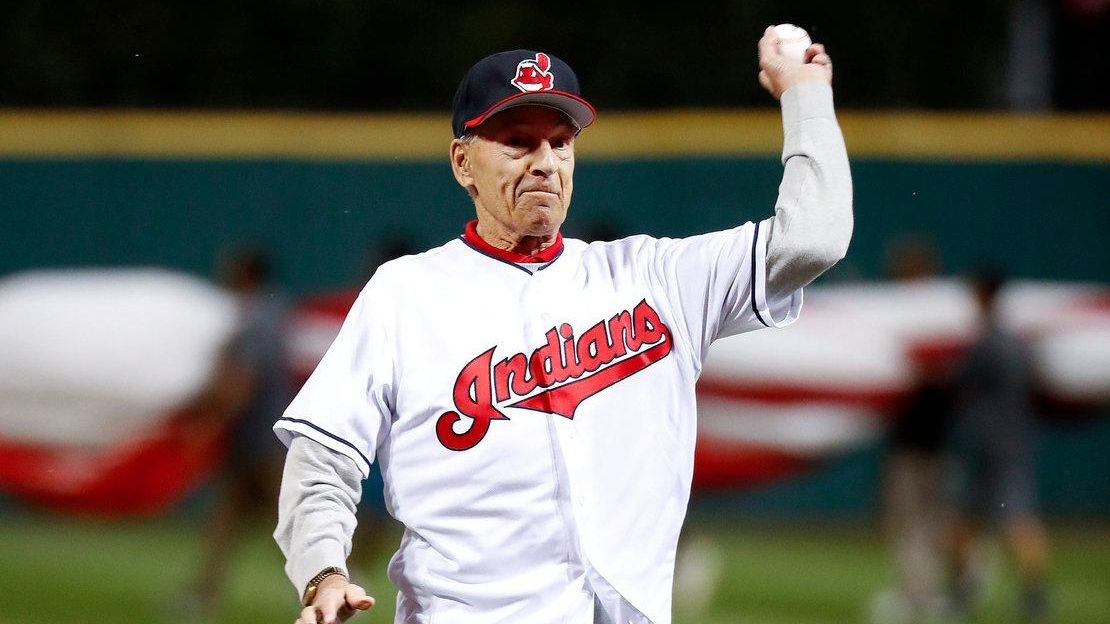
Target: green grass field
(59, 571)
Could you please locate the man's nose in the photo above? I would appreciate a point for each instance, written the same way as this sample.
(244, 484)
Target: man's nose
(543, 163)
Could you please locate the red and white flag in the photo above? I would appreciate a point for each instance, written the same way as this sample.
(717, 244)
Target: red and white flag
(99, 368)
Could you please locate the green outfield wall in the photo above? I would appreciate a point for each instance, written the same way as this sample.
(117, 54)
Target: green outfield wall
(1041, 220)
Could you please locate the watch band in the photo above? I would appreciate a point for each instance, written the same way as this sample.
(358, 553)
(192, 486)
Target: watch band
(314, 583)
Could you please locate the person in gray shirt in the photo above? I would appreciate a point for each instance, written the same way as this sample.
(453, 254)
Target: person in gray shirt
(994, 449)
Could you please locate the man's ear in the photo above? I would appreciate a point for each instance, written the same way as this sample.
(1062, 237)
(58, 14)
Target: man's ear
(460, 164)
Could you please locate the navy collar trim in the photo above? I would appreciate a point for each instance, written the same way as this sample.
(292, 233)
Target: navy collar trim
(510, 262)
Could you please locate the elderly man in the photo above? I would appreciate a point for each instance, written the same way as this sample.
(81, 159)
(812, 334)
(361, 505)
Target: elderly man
(529, 399)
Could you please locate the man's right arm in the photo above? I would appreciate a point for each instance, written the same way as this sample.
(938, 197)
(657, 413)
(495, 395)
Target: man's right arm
(320, 490)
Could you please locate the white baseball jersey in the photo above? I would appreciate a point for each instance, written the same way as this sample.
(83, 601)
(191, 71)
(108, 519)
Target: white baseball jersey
(534, 424)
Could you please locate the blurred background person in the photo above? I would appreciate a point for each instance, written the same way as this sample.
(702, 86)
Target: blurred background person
(914, 507)
(995, 456)
(251, 386)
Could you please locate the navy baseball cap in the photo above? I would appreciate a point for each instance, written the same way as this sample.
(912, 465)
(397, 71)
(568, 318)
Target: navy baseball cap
(515, 78)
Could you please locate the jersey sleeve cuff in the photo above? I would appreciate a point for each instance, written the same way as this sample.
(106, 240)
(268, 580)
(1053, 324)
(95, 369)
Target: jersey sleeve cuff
(287, 427)
(316, 558)
(777, 311)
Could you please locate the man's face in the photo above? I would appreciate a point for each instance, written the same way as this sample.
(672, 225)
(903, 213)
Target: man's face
(519, 169)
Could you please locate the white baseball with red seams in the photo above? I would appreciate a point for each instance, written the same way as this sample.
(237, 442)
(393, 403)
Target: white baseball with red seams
(793, 41)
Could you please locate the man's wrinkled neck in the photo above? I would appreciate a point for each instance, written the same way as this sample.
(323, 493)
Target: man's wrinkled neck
(501, 237)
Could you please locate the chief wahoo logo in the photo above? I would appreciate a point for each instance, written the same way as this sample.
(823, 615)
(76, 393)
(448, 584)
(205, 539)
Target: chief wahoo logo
(532, 75)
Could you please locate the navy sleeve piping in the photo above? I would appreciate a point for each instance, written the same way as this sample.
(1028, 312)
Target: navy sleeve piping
(330, 435)
(755, 244)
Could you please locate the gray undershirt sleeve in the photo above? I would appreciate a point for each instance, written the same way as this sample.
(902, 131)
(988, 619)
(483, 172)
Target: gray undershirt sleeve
(813, 215)
(320, 490)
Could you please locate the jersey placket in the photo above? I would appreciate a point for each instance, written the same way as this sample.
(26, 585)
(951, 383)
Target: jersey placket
(569, 439)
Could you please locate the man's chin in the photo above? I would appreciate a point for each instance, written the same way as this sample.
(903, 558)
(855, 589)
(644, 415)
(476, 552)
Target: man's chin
(542, 219)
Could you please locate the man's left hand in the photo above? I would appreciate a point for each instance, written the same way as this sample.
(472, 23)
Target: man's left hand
(778, 73)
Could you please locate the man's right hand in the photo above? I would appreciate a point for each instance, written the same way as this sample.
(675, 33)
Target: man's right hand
(337, 599)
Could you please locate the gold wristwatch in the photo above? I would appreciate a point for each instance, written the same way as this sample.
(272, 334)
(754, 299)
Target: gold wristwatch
(314, 583)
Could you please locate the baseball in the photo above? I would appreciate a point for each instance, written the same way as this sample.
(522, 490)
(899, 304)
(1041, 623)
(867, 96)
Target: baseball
(793, 41)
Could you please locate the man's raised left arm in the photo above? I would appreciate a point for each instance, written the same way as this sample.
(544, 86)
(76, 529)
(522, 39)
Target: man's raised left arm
(813, 215)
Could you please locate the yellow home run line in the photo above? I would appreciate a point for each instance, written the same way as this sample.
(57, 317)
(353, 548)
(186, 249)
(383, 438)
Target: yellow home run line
(616, 136)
